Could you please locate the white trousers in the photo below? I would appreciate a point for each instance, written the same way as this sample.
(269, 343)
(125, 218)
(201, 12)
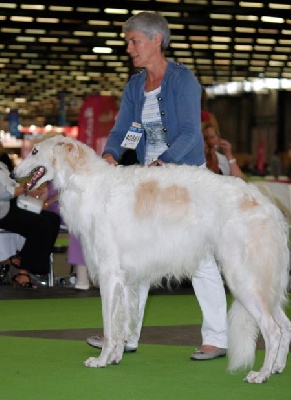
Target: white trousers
(138, 313)
(210, 293)
(10, 243)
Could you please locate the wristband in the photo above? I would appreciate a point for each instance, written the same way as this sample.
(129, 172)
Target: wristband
(25, 190)
(232, 161)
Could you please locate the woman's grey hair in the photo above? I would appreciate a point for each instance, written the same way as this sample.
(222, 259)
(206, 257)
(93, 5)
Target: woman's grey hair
(150, 23)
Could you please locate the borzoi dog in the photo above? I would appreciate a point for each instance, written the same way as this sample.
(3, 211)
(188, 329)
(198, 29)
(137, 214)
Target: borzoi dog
(139, 224)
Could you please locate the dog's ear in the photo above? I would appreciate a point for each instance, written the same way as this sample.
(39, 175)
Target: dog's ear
(72, 152)
(68, 147)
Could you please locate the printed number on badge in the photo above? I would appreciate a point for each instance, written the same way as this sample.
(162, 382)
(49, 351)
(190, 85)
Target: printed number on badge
(132, 137)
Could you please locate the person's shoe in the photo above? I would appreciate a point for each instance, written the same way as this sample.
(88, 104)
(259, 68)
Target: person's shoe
(82, 286)
(23, 280)
(82, 280)
(97, 341)
(202, 354)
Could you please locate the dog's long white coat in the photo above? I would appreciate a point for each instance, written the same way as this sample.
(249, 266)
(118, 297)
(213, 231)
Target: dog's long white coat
(139, 224)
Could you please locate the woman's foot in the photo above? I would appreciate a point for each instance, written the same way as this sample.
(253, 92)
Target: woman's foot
(208, 352)
(82, 282)
(13, 261)
(206, 348)
(22, 279)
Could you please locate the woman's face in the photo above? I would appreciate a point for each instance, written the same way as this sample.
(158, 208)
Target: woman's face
(211, 138)
(141, 49)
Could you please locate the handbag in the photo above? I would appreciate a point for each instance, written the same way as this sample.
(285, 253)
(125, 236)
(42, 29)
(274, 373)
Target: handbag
(29, 203)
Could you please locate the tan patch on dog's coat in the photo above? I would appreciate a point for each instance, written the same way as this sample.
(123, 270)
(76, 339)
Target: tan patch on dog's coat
(248, 202)
(173, 199)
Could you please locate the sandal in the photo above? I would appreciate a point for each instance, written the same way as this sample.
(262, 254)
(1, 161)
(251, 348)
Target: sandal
(13, 261)
(4, 273)
(25, 285)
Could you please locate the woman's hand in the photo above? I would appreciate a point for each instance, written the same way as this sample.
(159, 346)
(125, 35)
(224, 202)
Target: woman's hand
(209, 150)
(226, 148)
(156, 163)
(109, 159)
(37, 193)
(22, 189)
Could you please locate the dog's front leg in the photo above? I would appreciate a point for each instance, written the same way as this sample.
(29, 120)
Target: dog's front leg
(111, 289)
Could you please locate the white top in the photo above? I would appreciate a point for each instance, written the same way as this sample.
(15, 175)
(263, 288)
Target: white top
(152, 123)
(223, 164)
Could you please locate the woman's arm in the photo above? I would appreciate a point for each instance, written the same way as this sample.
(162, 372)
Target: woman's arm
(226, 149)
(125, 117)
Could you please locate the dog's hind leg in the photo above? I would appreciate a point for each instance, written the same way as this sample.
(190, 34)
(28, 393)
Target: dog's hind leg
(255, 264)
(246, 313)
(112, 292)
(285, 326)
(271, 334)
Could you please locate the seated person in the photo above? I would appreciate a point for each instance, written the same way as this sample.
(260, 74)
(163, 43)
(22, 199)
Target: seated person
(4, 158)
(218, 152)
(76, 258)
(39, 230)
(11, 244)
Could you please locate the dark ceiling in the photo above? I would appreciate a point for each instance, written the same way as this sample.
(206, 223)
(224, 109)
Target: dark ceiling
(46, 47)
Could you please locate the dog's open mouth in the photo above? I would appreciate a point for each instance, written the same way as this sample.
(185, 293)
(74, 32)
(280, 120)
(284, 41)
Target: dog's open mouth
(36, 174)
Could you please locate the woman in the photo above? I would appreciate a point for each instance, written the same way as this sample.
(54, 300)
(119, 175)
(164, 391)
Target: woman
(164, 98)
(159, 117)
(39, 230)
(4, 158)
(222, 161)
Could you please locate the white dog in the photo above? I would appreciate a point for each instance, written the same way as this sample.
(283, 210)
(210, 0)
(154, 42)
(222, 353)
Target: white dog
(139, 224)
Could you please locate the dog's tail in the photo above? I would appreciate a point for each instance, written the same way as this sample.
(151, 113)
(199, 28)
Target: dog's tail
(243, 333)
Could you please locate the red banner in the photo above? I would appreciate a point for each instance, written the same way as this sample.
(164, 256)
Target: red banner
(96, 118)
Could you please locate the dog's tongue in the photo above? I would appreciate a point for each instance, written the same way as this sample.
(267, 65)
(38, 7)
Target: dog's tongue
(37, 173)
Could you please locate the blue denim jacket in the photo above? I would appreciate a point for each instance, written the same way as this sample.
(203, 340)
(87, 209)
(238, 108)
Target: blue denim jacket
(180, 109)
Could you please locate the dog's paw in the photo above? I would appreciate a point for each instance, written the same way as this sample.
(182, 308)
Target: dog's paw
(257, 377)
(94, 362)
(278, 369)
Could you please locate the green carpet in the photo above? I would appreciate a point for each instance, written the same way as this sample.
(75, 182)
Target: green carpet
(45, 369)
(34, 369)
(86, 313)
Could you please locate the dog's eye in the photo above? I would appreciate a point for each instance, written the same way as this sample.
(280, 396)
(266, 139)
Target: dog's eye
(34, 151)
